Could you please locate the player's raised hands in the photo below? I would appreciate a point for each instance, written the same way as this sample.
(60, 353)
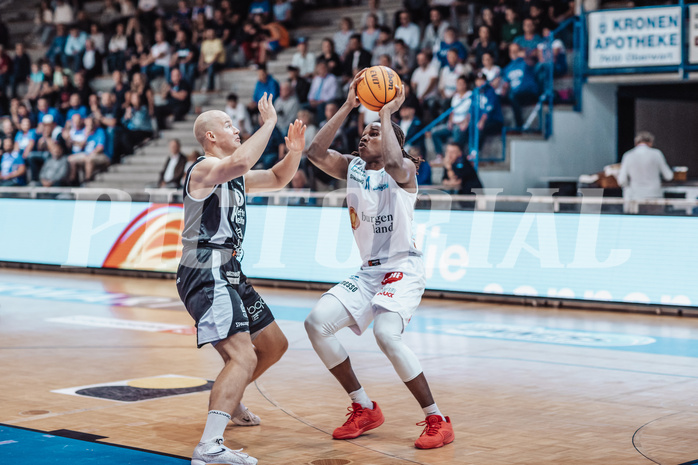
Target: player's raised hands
(295, 141)
(352, 99)
(395, 104)
(267, 112)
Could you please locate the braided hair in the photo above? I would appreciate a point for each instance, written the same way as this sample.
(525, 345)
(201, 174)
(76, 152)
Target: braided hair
(401, 140)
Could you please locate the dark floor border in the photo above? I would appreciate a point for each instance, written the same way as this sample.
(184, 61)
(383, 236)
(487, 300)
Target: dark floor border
(544, 302)
(164, 454)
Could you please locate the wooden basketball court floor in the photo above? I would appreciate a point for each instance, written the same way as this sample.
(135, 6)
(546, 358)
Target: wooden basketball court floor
(522, 385)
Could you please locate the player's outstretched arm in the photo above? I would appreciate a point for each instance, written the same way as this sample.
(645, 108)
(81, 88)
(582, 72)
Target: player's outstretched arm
(280, 174)
(401, 169)
(319, 153)
(214, 171)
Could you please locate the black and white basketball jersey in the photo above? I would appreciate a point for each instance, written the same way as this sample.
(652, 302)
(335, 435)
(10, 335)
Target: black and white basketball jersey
(217, 221)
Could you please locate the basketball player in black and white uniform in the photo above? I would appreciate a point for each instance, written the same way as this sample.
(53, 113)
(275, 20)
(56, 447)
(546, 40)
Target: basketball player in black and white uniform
(381, 193)
(228, 312)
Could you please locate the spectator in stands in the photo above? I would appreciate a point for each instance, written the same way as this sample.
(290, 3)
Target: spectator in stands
(408, 31)
(44, 24)
(82, 88)
(140, 85)
(173, 170)
(118, 44)
(63, 13)
(329, 57)
(274, 151)
(265, 84)
(108, 115)
(201, 8)
(416, 9)
(157, 63)
(488, 18)
(91, 61)
(21, 68)
(5, 69)
(510, 30)
(74, 48)
(191, 159)
(341, 37)
(283, 13)
(211, 58)
(356, 58)
(303, 60)
(492, 72)
(373, 8)
(55, 51)
(136, 119)
(275, 39)
(459, 174)
(340, 142)
(48, 133)
(184, 57)
(177, 96)
(529, 40)
(98, 38)
(25, 138)
(370, 32)
(120, 88)
(491, 120)
(411, 125)
(425, 81)
(641, 171)
(43, 109)
(251, 39)
(64, 91)
(8, 129)
(404, 60)
(448, 77)
(287, 106)
(56, 170)
(554, 56)
(76, 107)
(384, 46)
(36, 79)
(18, 111)
(239, 116)
(450, 42)
(110, 14)
(435, 30)
(137, 53)
(260, 7)
(12, 168)
(91, 156)
(519, 83)
(299, 84)
(323, 88)
(456, 129)
(424, 170)
(484, 44)
(147, 14)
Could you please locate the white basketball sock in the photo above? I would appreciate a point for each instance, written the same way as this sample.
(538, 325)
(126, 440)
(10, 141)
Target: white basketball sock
(433, 410)
(360, 397)
(215, 425)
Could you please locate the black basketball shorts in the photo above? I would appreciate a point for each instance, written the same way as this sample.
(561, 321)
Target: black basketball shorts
(218, 296)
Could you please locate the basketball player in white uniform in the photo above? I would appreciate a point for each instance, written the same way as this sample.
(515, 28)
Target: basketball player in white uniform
(229, 313)
(381, 193)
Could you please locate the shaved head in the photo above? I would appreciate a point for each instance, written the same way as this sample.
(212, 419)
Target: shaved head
(205, 122)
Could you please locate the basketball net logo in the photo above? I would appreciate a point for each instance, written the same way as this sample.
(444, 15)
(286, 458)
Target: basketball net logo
(392, 277)
(354, 218)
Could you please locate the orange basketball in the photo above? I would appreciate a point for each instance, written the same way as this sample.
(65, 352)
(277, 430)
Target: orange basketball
(378, 87)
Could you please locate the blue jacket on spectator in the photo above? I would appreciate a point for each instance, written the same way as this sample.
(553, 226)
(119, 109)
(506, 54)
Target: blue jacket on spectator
(57, 117)
(56, 48)
(98, 137)
(490, 103)
(270, 87)
(520, 77)
(444, 48)
(23, 139)
(424, 174)
(9, 163)
(81, 110)
(139, 121)
(75, 45)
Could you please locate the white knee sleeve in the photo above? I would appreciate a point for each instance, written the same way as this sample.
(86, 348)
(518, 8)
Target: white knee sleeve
(387, 328)
(328, 317)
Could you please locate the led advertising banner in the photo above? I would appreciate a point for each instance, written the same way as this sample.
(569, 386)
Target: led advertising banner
(636, 37)
(619, 258)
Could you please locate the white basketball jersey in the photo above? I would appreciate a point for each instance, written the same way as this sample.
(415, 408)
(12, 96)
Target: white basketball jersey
(381, 214)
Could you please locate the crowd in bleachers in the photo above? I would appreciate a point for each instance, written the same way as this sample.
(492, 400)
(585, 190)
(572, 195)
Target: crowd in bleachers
(62, 132)
(57, 131)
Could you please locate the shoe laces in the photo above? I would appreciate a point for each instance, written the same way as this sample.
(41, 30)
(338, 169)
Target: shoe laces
(431, 427)
(219, 441)
(353, 414)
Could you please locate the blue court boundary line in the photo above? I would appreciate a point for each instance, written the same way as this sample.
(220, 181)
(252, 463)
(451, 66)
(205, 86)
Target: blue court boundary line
(694, 462)
(137, 449)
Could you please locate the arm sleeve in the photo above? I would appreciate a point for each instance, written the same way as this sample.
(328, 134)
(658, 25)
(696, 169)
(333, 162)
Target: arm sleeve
(667, 172)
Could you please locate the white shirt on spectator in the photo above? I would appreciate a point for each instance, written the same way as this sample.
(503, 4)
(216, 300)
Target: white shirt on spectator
(410, 34)
(240, 117)
(323, 89)
(448, 79)
(433, 37)
(306, 64)
(641, 171)
(157, 49)
(118, 44)
(63, 14)
(491, 74)
(461, 106)
(341, 41)
(370, 116)
(147, 5)
(421, 78)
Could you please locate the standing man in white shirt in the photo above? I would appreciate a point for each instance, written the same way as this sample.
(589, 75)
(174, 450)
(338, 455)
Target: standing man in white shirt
(303, 60)
(408, 31)
(641, 171)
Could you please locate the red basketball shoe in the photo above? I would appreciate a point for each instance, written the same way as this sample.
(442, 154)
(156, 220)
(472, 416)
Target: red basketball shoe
(437, 433)
(360, 420)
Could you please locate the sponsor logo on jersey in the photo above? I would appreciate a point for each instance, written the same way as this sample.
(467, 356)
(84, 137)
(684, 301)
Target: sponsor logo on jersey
(240, 324)
(349, 286)
(387, 292)
(354, 218)
(255, 310)
(239, 198)
(233, 277)
(381, 223)
(381, 187)
(392, 277)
